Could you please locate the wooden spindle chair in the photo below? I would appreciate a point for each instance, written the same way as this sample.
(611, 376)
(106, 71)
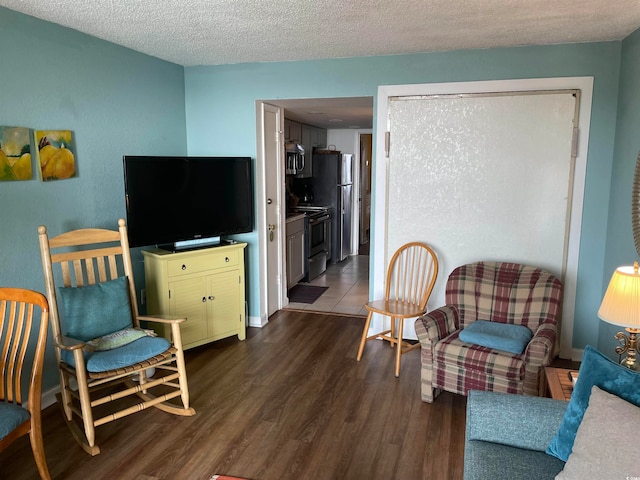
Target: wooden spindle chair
(410, 279)
(19, 321)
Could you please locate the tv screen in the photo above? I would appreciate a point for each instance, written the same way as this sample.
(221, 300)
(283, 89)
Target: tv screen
(176, 199)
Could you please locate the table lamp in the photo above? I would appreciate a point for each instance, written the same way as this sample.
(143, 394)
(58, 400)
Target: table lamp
(621, 306)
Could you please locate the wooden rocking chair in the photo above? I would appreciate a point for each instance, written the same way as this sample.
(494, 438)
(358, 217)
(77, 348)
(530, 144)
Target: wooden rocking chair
(97, 335)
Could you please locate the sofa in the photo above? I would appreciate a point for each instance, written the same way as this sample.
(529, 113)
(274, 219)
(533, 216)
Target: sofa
(594, 435)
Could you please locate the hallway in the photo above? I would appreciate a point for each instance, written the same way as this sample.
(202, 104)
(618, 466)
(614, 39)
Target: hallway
(348, 283)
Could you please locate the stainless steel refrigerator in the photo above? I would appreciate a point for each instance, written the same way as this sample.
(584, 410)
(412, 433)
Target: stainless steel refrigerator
(332, 187)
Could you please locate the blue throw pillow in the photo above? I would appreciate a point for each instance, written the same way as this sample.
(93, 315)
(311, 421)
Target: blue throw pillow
(499, 336)
(95, 310)
(598, 370)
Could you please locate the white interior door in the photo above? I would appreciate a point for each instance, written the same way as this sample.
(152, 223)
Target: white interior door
(270, 204)
(483, 177)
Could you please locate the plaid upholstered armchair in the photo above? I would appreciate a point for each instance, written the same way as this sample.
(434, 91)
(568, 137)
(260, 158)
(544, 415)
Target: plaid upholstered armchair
(503, 296)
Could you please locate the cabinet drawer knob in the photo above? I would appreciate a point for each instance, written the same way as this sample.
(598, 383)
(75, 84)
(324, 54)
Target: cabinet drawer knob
(211, 297)
(204, 299)
(184, 267)
(226, 259)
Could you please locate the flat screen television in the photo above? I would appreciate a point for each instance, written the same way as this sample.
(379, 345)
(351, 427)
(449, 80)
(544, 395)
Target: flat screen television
(172, 200)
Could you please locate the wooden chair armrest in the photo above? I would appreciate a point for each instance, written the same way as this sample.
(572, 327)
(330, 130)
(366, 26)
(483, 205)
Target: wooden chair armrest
(68, 343)
(168, 319)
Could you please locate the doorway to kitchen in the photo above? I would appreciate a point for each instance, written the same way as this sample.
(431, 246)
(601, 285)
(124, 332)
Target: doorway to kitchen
(347, 290)
(344, 120)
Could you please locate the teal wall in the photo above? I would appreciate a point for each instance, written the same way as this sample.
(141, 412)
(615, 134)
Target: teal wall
(220, 106)
(116, 102)
(620, 249)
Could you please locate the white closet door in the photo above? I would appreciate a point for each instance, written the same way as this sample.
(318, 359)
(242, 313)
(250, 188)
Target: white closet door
(481, 178)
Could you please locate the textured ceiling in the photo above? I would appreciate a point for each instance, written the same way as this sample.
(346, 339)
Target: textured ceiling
(214, 32)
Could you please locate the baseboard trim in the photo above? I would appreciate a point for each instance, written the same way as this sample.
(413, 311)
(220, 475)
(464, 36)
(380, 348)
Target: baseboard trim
(576, 354)
(49, 397)
(258, 322)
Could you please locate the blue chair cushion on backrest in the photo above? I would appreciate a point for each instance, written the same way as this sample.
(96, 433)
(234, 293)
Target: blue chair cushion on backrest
(95, 310)
(11, 417)
(129, 354)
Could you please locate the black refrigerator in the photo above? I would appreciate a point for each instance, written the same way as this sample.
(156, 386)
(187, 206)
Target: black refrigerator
(333, 187)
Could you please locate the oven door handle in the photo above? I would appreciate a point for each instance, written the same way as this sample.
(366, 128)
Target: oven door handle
(315, 221)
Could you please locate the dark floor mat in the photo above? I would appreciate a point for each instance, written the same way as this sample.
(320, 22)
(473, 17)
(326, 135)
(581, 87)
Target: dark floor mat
(305, 293)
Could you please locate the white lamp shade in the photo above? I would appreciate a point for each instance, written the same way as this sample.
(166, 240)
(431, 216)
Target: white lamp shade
(621, 302)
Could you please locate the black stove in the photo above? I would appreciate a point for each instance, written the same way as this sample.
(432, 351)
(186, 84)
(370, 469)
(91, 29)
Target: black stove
(318, 238)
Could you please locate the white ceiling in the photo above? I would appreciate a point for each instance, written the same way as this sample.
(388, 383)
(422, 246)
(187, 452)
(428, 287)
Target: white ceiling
(214, 32)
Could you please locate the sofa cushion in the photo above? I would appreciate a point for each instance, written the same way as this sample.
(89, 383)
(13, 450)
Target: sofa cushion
(498, 336)
(595, 369)
(502, 417)
(486, 460)
(603, 447)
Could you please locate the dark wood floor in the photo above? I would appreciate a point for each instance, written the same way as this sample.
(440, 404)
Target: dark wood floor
(290, 402)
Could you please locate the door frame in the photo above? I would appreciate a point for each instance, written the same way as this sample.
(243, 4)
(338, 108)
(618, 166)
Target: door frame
(362, 213)
(381, 174)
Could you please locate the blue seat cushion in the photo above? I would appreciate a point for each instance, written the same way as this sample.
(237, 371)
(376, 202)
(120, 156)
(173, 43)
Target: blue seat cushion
(598, 370)
(498, 336)
(129, 354)
(96, 310)
(11, 417)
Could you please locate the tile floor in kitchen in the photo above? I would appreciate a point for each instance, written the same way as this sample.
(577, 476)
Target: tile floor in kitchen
(348, 283)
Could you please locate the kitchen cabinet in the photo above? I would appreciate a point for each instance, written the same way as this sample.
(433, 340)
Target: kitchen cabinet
(312, 137)
(206, 286)
(319, 137)
(296, 259)
(292, 131)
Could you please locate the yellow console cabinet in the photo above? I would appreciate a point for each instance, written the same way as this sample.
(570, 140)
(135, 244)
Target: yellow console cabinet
(205, 285)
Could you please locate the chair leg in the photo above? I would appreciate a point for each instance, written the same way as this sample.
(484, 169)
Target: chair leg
(182, 369)
(85, 404)
(363, 340)
(399, 345)
(37, 446)
(393, 330)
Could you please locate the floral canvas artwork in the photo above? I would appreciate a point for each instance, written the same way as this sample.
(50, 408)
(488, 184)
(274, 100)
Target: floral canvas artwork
(15, 154)
(56, 154)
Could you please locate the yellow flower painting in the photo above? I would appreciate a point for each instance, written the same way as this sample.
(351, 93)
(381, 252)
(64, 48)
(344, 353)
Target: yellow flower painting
(56, 154)
(15, 154)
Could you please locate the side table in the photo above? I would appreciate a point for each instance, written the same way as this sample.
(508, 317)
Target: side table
(558, 383)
